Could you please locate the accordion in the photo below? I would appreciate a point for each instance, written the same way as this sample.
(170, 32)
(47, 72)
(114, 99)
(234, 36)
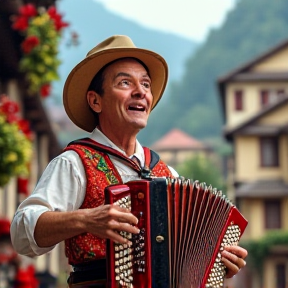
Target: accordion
(184, 225)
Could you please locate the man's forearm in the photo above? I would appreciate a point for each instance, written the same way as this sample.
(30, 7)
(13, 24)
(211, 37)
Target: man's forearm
(54, 227)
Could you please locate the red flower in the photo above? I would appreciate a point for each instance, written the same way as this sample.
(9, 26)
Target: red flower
(22, 185)
(28, 10)
(24, 126)
(9, 107)
(45, 90)
(57, 18)
(11, 118)
(29, 44)
(20, 23)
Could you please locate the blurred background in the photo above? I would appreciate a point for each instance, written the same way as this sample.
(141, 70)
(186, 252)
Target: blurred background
(223, 118)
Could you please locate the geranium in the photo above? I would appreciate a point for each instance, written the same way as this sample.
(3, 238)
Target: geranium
(29, 43)
(42, 31)
(21, 21)
(45, 90)
(15, 142)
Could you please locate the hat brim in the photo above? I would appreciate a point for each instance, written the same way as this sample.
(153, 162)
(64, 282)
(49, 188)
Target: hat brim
(79, 79)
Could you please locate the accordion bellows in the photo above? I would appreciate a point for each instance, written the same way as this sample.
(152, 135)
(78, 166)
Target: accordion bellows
(184, 225)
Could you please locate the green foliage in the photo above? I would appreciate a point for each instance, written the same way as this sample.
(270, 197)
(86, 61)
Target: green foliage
(41, 63)
(15, 151)
(202, 169)
(192, 104)
(258, 250)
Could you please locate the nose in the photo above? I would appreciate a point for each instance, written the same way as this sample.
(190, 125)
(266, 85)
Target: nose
(139, 91)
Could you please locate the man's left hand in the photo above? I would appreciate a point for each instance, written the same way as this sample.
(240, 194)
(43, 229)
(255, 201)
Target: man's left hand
(233, 258)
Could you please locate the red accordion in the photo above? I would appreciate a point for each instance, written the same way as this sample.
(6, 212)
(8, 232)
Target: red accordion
(184, 226)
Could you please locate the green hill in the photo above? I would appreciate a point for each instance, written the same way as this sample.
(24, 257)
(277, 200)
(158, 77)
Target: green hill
(93, 23)
(192, 104)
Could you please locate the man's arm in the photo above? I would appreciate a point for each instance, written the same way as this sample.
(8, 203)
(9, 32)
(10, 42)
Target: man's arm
(103, 222)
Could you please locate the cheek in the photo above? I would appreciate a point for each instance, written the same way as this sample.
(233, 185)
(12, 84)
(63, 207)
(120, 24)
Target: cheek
(150, 100)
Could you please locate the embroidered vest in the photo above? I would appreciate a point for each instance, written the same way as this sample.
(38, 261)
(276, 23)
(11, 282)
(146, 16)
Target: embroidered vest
(100, 172)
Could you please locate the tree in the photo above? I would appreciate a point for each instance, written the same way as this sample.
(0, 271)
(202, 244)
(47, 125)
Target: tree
(203, 169)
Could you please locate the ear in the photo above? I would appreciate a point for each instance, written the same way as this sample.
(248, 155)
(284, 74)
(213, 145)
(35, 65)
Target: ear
(94, 101)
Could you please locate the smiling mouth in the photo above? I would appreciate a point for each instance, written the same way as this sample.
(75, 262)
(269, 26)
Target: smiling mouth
(136, 108)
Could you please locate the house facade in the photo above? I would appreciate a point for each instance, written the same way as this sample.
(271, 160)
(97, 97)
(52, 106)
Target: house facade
(254, 98)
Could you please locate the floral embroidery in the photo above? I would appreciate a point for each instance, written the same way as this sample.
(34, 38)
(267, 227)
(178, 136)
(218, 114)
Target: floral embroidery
(100, 173)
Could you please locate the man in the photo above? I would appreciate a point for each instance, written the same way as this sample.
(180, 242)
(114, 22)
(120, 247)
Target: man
(111, 94)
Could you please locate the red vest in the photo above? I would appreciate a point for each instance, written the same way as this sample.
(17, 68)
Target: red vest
(100, 172)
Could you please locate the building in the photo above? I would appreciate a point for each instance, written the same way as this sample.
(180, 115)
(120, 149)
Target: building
(45, 143)
(176, 146)
(254, 98)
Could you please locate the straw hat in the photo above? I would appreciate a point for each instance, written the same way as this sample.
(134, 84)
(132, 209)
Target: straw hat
(115, 47)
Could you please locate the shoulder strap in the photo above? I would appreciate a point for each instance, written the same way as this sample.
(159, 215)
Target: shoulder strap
(151, 158)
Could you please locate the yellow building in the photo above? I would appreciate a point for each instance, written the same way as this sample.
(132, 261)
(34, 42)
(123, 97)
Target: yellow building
(255, 103)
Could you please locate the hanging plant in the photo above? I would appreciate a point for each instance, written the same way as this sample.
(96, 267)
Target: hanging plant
(15, 142)
(258, 250)
(42, 32)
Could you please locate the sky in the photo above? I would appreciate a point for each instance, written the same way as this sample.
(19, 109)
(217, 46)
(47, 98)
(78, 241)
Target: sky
(191, 19)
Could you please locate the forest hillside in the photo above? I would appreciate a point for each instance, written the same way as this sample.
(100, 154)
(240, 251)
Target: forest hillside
(193, 103)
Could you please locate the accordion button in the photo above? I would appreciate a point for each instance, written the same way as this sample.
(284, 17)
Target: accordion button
(159, 238)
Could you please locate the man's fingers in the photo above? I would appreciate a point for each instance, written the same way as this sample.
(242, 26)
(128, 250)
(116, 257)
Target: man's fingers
(233, 259)
(116, 227)
(237, 250)
(127, 218)
(119, 226)
(116, 237)
(231, 268)
(124, 215)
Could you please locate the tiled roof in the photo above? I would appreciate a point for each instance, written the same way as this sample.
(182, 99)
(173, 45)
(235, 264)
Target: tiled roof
(177, 140)
(263, 188)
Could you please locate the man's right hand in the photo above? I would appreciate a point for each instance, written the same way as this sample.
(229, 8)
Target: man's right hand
(106, 220)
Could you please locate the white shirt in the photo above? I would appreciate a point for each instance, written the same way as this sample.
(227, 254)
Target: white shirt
(65, 172)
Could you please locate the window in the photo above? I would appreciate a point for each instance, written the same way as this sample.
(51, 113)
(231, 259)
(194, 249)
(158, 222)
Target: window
(264, 97)
(238, 100)
(281, 93)
(270, 96)
(281, 276)
(273, 214)
(269, 152)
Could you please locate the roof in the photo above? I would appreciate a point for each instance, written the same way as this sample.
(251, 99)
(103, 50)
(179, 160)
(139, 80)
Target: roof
(178, 140)
(250, 128)
(241, 73)
(262, 188)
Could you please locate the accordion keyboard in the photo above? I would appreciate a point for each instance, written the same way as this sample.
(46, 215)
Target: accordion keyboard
(123, 253)
(217, 274)
(129, 259)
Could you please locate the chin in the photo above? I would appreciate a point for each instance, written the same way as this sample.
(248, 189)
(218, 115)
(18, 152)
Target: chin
(140, 125)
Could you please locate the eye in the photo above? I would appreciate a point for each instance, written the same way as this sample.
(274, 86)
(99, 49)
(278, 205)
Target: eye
(146, 85)
(124, 82)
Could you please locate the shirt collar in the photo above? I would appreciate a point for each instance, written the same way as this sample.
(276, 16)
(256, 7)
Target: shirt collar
(101, 138)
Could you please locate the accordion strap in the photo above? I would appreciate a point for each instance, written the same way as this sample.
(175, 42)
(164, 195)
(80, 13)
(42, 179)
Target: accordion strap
(151, 158)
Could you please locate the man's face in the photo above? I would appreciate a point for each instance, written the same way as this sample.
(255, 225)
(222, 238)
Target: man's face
(127, 98)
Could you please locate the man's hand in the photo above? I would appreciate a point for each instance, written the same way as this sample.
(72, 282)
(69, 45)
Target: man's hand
(106, 220)
(103, 221)
(233, 258)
